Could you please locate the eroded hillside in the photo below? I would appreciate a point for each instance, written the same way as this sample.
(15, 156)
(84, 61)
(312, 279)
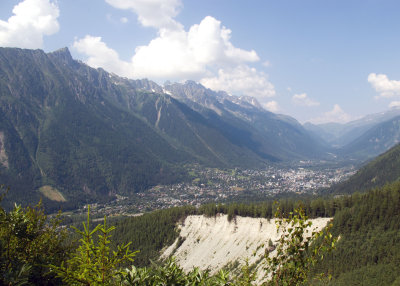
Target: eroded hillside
(215, 242)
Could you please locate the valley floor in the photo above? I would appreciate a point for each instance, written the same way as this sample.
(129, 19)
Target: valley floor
(216, 185)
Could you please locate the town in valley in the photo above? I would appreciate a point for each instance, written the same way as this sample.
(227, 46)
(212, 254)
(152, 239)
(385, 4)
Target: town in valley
(216, 185)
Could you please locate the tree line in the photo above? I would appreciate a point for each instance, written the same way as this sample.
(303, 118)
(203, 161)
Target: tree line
(37, 250)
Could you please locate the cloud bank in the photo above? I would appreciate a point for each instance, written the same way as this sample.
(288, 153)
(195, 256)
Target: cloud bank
(384, 86)
(303, 100)
(32, 20)
(394, 104)
(242, 79)
(272, 106)
(203, 53)
(152, 13)
(337, 115)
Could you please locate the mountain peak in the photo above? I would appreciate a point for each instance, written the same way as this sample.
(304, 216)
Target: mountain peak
(63, 55)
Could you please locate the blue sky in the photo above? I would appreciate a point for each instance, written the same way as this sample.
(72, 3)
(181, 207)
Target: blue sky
(319, 61)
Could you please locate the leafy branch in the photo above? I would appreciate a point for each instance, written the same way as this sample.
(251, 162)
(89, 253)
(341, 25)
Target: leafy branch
(299, 248)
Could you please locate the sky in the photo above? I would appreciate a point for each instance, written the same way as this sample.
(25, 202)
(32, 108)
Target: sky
(316, 60)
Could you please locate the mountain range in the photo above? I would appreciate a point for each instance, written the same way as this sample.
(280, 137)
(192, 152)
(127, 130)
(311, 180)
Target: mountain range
(86, 134)
(363, 138)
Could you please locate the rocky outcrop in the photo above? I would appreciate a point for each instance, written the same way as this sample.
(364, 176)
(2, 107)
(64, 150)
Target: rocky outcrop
(214, 242)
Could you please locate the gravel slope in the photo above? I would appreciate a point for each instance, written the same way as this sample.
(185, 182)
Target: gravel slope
(214, 243)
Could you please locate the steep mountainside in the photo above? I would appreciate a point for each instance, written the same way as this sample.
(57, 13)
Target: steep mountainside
(382, 170)
(88, 134)
(368, 251)
(60, 128)
(375, 141)
(279, 135)
(339, 135)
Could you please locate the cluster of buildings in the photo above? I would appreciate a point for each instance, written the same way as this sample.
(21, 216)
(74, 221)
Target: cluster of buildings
(216, 185)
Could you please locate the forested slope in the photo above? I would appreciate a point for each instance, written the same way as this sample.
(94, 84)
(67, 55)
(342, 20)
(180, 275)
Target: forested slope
(383, 169)
(368, 251)
(367, 225)
(89, 134)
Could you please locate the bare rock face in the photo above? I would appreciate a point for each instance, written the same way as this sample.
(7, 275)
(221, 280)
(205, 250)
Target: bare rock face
(3, 155)
(214, 243)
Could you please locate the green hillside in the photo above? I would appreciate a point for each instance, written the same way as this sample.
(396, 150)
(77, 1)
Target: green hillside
(88, 134)
(368, 251)
(60, 130)
(382, 170)
(368, 225)
(244, 121)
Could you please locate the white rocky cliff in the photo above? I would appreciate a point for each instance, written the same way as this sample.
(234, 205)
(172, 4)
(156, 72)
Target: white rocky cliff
(213, 243)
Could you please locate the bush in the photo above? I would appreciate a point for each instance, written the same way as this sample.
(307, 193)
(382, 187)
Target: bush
(29, 243)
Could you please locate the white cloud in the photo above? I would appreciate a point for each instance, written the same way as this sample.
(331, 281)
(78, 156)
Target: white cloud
(304, 100)
(271, 106)
(152, 13)
(124, 20)
(180, 55)
(335, 115)
(169, 57)
(99, 55)
(177, 54)
(394, 104)
(242, 80)
(32, 20)
(383, 85)
(203, 53)
(266, 64)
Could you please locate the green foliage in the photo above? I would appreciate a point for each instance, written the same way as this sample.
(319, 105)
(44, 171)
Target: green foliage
(32, 253)
(296, 255)
(380, 171)
(29, 243)
(296, 250)
(367, 252)
(247, 276)
(93, 263)
(170, 273)
(150, 232)
(369, 246)
(136, 276)
(266, 209)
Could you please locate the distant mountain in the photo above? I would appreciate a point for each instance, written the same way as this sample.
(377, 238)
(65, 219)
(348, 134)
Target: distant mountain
(339, 135)
(374, 141)
(279, 135)
(75, 133)
(62, 128)
(382, 170)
